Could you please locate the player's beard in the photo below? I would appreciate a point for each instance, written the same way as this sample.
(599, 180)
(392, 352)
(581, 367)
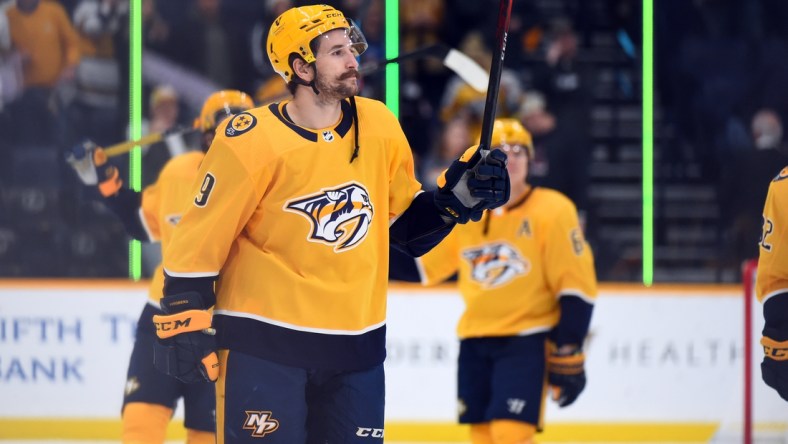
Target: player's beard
(338, 89)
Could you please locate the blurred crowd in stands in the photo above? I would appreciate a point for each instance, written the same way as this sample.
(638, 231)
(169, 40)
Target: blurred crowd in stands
(572, 76)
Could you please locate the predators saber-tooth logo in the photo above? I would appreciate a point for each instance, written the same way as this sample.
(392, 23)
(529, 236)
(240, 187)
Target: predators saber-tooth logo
(260, 423)
(340, 216)
(496, 264)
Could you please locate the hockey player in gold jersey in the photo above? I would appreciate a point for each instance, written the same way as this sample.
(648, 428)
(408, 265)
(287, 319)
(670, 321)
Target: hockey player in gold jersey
(772, 285)
(528, 281)
(150, 395)
(297, 206)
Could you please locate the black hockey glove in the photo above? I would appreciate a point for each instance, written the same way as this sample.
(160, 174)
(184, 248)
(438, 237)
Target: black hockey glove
(466, 190)
(186, 348)
(774, 368)
(566, 376)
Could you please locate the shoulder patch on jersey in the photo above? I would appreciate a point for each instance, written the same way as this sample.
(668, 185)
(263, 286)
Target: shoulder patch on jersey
(576, 237)
(782, 175)
(239, 124)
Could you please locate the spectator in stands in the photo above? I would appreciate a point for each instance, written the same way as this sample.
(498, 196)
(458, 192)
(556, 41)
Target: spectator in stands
(741, 201)
(422, 81)
(259, 33)
(421, 22)
(461, 100)
(5, 33)
(541, 124)
(453, 141)
(49, 44)
(371, 23)
(156, 30)
(163, 116)
(202, 42)
(552, 161)
(565, 80)
(94, 112)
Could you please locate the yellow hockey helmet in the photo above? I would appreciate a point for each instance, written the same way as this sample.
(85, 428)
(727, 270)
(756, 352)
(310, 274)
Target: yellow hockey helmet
(220, 105)
(511, 132)
(294, 30)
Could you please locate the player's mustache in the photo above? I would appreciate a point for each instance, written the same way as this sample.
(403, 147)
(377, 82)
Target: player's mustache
(349, 74)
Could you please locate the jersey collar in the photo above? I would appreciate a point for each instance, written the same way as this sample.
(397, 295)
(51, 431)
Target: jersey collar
(280, 111)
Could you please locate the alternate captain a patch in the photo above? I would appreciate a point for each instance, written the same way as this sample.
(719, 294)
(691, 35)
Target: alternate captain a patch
(239, 124)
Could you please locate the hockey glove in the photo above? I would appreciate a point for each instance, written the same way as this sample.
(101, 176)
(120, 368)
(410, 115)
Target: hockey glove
(566, 376)
(90, 163)
(186, 348)
(774, 368)
(465, 190)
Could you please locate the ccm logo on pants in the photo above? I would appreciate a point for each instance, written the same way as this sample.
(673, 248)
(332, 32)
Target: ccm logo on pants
(369, 433)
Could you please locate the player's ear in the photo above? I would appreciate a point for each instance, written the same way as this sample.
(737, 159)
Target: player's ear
(303, 69)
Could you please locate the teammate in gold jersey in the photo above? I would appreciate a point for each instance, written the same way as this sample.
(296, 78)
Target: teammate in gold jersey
(297, 205)
(772, 285)
(150, 396)
(528, 281)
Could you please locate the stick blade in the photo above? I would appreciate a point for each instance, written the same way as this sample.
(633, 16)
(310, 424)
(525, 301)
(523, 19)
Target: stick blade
(470, 71)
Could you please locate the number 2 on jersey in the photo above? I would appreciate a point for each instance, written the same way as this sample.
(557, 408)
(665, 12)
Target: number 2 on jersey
(768, 228)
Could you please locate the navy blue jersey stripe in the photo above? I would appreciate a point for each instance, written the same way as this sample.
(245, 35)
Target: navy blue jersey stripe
(298, 348)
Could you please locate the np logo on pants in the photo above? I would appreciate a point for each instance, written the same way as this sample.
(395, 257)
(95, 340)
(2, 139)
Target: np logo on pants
(260, 423)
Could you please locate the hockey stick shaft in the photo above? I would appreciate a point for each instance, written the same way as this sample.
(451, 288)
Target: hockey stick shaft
(125, 147)
(493, 87)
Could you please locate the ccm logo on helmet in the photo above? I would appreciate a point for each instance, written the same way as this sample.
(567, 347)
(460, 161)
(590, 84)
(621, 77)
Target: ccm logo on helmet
(333, 14)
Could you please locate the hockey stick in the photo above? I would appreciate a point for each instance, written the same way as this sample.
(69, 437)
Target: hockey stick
(491, 102)
(125, 147)
(462, 65)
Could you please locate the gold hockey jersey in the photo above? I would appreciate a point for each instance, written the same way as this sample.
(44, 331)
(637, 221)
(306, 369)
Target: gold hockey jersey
(163, 204)
(772, 275)
(514, 265)
(298, 234)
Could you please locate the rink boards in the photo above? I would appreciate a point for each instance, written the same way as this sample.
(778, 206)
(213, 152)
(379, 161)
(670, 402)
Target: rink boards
(663, 364)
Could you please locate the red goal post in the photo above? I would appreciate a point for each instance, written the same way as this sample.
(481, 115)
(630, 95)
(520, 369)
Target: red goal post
(764, 415)
(749, 271)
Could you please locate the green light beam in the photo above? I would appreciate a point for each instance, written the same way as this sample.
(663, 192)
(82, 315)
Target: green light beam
(392, 50)
(648, 142)
(135, 121)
